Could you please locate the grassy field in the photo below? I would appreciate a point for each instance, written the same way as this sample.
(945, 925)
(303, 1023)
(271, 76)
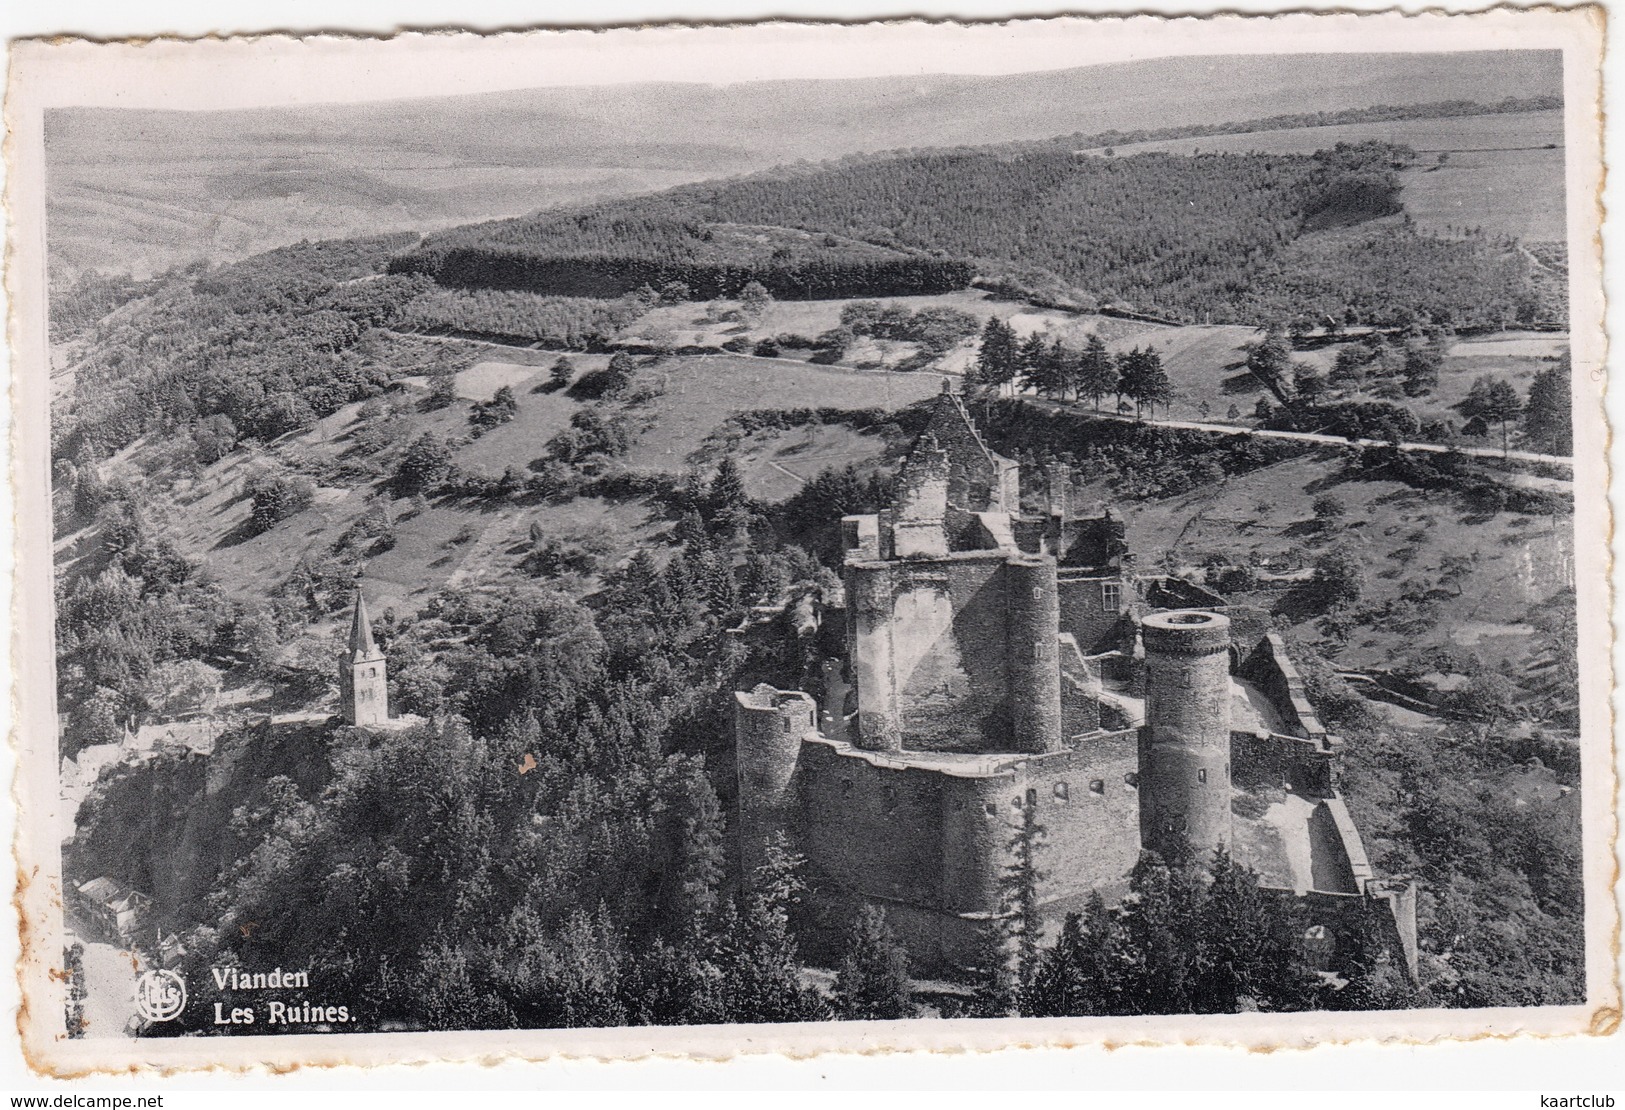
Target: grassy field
(1206, 362)
(454, 542)
(699, 392)
(1517, 562)
(1502, 172)
(1514, 356)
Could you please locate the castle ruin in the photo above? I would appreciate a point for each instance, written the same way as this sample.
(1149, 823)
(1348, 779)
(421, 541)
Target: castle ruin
(988, 663)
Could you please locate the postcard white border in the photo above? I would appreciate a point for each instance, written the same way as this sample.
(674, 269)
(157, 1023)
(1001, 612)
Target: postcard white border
(35, 84)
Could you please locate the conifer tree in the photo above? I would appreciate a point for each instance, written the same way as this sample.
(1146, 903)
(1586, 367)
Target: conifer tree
(1493, 399)
(1097, 372)
(872, 983)
(1032, 361)
(1157, 386)
(997, 360)
(995, 993)
(721, 590)
(1055, 375)
(691, 533)
(1234, 961)
(726, 499)
(1059, 988)
(696, 867)
(755, 949)
(1019, 894)
(1548, 418)
(1157, 923)
(1421, 373)
(1136, 379)
(1085, 972)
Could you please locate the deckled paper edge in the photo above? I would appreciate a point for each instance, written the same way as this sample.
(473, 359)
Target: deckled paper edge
(39, 892)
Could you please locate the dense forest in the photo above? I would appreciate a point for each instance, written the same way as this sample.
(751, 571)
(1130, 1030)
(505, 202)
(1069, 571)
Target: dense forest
(616, 249)
(579, 323)
(267, 344)
(1220, 237)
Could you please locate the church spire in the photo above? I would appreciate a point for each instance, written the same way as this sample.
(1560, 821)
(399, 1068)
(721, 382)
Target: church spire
(361, 641)
(363, 678)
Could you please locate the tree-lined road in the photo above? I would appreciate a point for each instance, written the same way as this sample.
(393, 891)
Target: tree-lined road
(1312, 437)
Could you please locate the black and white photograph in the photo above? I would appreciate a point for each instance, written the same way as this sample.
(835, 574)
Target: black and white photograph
(1050, 530)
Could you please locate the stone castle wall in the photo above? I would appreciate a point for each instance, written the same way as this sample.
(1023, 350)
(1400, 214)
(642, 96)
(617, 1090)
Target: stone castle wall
(956, 654)
(930, 846)
(1092, 608)
(1273, 670)
(1280, 761)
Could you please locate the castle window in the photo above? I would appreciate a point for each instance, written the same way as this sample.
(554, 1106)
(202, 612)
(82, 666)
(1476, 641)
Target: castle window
(1015, 803)
(889, 798)
(788, 727)
(1111, 597)
(846, 788)
(1038, 650)
(1132, 780)
(1032, 797)
(1060, 791)
(1201, 775)
(1097, 786)
(1038, 593)
(990, 809)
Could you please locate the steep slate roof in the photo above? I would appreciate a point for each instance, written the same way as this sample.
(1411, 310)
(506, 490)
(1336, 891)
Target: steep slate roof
(362, 645)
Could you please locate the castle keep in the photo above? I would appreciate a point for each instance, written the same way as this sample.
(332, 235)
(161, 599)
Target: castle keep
(997, 663)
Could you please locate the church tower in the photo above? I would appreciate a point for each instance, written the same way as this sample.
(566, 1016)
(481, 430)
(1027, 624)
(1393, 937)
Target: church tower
(363, 683)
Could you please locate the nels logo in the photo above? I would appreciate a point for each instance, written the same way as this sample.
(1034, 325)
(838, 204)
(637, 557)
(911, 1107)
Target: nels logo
(160, 995)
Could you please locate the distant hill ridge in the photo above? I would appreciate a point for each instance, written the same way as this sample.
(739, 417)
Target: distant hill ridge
(1221, 238)
(144, 189)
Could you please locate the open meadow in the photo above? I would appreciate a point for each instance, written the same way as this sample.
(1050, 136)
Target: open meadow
(1501, 172)
(1416, 609)
(680, 421)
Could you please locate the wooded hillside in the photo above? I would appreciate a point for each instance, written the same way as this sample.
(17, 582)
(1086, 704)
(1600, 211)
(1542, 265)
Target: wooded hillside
(616, 249)
(1221, 238)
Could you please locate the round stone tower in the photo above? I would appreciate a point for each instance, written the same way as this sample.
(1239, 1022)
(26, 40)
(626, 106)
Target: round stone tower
(769, 726)
(1185, 744)
(1033, 654)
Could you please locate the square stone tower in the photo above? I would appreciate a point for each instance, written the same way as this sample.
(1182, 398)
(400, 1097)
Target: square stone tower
(363, 680)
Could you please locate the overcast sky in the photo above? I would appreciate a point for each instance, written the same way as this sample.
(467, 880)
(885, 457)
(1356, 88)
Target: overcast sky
(281, 71)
